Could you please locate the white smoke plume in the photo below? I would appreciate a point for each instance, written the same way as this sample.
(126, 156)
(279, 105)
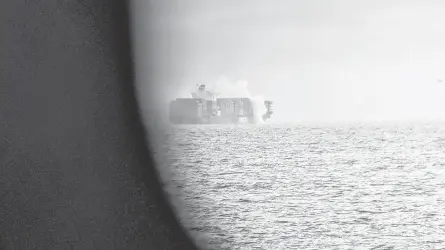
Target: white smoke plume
(224, 88)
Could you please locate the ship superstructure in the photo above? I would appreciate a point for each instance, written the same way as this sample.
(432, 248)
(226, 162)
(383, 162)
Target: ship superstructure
(205, 107)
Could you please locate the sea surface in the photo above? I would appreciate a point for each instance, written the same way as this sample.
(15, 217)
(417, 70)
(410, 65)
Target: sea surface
(309, 187)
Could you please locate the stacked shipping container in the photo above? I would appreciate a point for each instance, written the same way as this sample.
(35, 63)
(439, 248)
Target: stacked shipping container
(189, 110)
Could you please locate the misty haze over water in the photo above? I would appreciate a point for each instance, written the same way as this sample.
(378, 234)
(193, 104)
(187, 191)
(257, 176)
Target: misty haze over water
(317, 60)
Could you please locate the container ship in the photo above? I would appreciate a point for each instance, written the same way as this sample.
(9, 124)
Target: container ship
(204, 107)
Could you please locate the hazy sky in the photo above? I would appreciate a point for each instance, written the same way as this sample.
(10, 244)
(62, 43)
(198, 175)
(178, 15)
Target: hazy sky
(318, 60)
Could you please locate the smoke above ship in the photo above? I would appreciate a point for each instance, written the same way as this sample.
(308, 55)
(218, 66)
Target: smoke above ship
(225, 88)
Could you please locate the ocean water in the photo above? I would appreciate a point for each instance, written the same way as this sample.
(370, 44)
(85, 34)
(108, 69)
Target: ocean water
(309, 187)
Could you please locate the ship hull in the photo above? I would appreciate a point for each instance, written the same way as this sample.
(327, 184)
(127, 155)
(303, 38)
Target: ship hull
(219, 111)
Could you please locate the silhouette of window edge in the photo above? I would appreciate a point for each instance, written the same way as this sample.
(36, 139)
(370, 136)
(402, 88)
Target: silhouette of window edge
(164, 202)
(146, 171)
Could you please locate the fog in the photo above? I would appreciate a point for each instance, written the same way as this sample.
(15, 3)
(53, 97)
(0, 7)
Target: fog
(317, 60)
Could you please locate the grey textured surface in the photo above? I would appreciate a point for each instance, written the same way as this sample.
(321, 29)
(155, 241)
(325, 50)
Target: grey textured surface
(74, 168)
(280, 187)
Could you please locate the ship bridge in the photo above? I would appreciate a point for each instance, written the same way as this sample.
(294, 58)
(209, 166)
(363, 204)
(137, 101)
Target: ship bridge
(203, 93)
